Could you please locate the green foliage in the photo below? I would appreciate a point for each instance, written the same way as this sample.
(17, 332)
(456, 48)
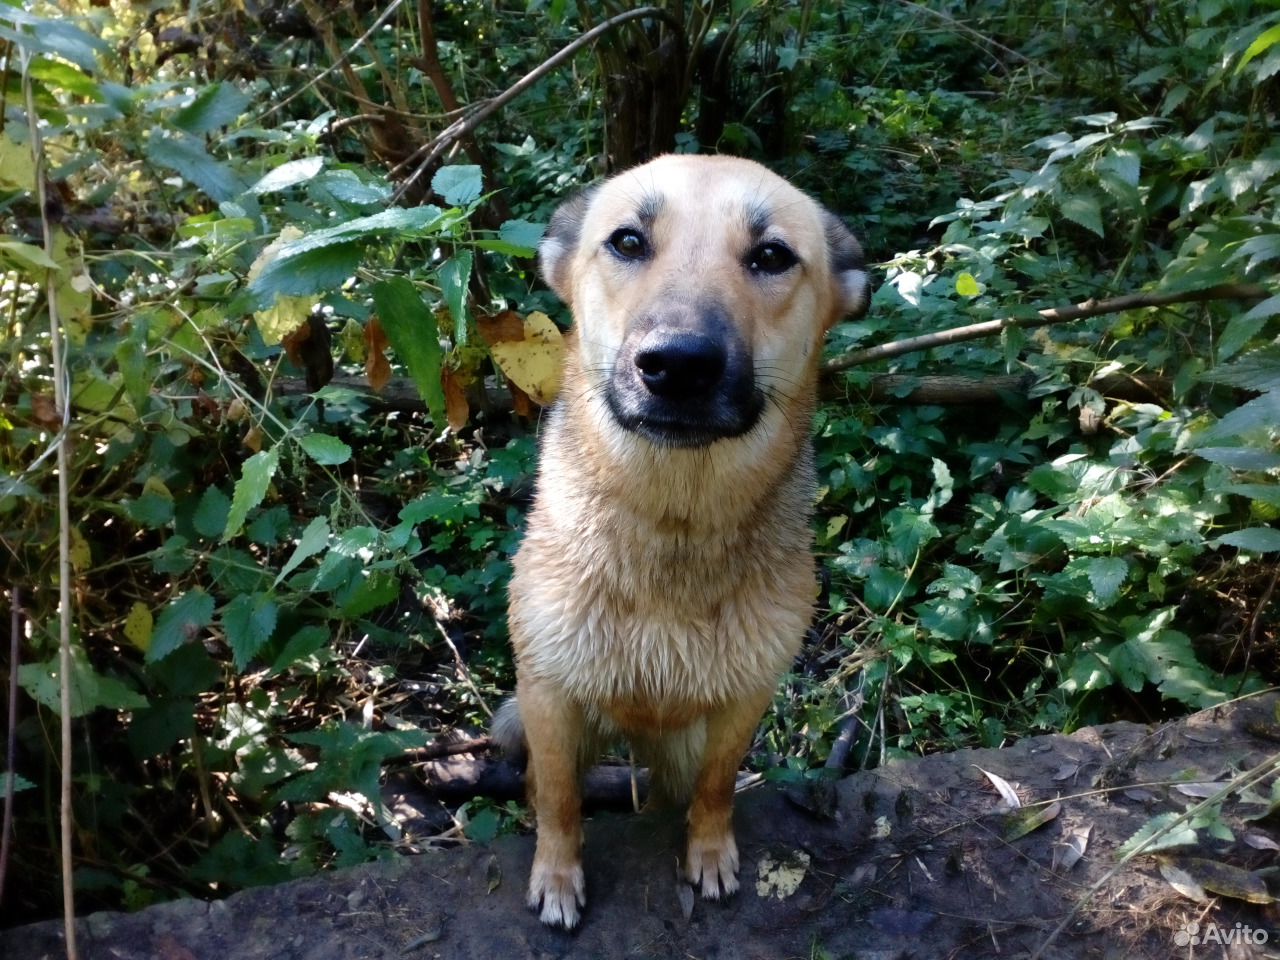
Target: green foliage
(265, 574)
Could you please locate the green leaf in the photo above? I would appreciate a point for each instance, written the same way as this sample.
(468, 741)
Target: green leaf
(255, 478)
(307, 273)
(248, 621)
(63, 76)
(314, 539)
(411, 328)
(1167, 831)
(180, 622)
(1263, 42)
(53, 36)
(458, 185)
(455, 274)
(188, 157)
(288, 175)
(1254, 539)
(210, 517)
(11, 782)
(89, 689)
(1260, 413)
(152, 510)
(1256, 370)
(1084, 210)
(1106, 574)
(1237, 333)
(25, 255)
(217, 105)
(521, 237)
(325, 450)
(1240, 458)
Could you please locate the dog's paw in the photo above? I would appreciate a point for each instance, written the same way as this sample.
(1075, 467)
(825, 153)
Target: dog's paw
(557, 894)
(712, 865)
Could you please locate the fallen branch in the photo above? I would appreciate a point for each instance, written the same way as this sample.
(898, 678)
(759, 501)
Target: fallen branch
(461, 128)
(1051, 315)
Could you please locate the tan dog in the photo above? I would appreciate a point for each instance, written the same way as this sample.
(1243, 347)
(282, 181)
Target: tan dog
(666, 580)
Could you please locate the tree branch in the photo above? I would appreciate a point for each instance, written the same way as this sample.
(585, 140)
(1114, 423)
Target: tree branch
(1051, 315)
(461, 128)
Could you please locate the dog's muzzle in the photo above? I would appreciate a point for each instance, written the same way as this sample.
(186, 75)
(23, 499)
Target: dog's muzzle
(685, 379)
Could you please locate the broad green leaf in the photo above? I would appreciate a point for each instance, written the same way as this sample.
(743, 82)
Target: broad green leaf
(180, 622)
(455, 274)
(25, 255)
(1260, 413)
(523, 235)
(1237, 333)
(187, 156)
(1106, 574)
(458, 185)
(152, 509)
(1264, 492)
(63, 76)
(325, 450)
(217, 105)
(411, 328)
(1253, 539)
(1256, 370)
(89, 689)
(1084, 210)
(296, 281)
(210, 517)
(1262, 43)
(1240, 458)
(315, 537)
(58, 37)
(255, 478)
(248, 621)
(288, 175)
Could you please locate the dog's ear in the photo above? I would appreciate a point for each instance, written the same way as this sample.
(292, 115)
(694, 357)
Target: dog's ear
(558, 244)
(848, 268)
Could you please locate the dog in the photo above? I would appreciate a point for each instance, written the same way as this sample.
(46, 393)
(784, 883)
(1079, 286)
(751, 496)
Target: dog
(666, 577)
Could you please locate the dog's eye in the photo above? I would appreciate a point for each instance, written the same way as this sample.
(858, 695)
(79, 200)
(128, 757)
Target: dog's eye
(771, 258)
(628, 244)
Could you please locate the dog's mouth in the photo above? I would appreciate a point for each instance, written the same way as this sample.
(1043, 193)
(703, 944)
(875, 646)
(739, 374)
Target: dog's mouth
(685, 386)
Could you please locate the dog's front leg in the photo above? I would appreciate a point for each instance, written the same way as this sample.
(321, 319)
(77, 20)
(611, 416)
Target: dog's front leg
(554, 730)
(712, 859)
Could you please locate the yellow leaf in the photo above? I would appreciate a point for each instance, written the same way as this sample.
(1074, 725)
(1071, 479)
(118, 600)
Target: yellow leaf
(75, 299)
(137, 626)
(967, 286)
(533, 363)
(81, 555)
(156, 485)
(780, 878)
(17, 169)
(287, 313)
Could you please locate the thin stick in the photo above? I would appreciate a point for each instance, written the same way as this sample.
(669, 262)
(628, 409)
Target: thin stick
(1051, 315)
(63, 403)
(11, 750)
(463, 673)
(460, 128)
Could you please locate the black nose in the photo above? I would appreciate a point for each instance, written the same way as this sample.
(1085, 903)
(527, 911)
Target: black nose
(679, 365)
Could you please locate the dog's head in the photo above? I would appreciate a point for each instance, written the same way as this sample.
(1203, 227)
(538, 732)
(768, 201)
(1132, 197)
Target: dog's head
(701, 288)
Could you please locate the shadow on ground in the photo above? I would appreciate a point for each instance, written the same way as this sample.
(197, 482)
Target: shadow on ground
(909, 861)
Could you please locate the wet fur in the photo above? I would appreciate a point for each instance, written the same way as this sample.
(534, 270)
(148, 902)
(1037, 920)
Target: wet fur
(660, 591)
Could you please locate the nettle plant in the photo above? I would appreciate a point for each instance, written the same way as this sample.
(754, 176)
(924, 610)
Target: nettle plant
(270, 569)
(1100, 539)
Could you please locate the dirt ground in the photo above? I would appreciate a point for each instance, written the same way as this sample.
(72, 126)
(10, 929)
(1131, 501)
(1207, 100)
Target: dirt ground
(917, 859)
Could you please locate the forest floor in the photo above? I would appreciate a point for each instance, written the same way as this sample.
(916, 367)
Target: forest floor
(912, 860)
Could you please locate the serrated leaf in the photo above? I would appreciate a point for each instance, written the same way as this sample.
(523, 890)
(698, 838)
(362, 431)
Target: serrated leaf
(411, 329)
(1257, 370)
(217, 105)
(455, 274)
(1084, 210)
(255, 478)
(187, 156)
(1259, 414)
(458, 185)
(180, 622)
(1106, 574)
(1254, 539)
(288, 175)
(522, 235)
(1164, 832)
(1125, 165)
(1237, 333)
(1240, 458)
(138, 626)
(325, 450)
(152, 509)
(248, 622)
(292, 284)
(210, 517)
(89, 688)
(315, 537)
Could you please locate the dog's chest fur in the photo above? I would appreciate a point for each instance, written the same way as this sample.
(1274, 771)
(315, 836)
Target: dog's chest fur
(648, 590)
